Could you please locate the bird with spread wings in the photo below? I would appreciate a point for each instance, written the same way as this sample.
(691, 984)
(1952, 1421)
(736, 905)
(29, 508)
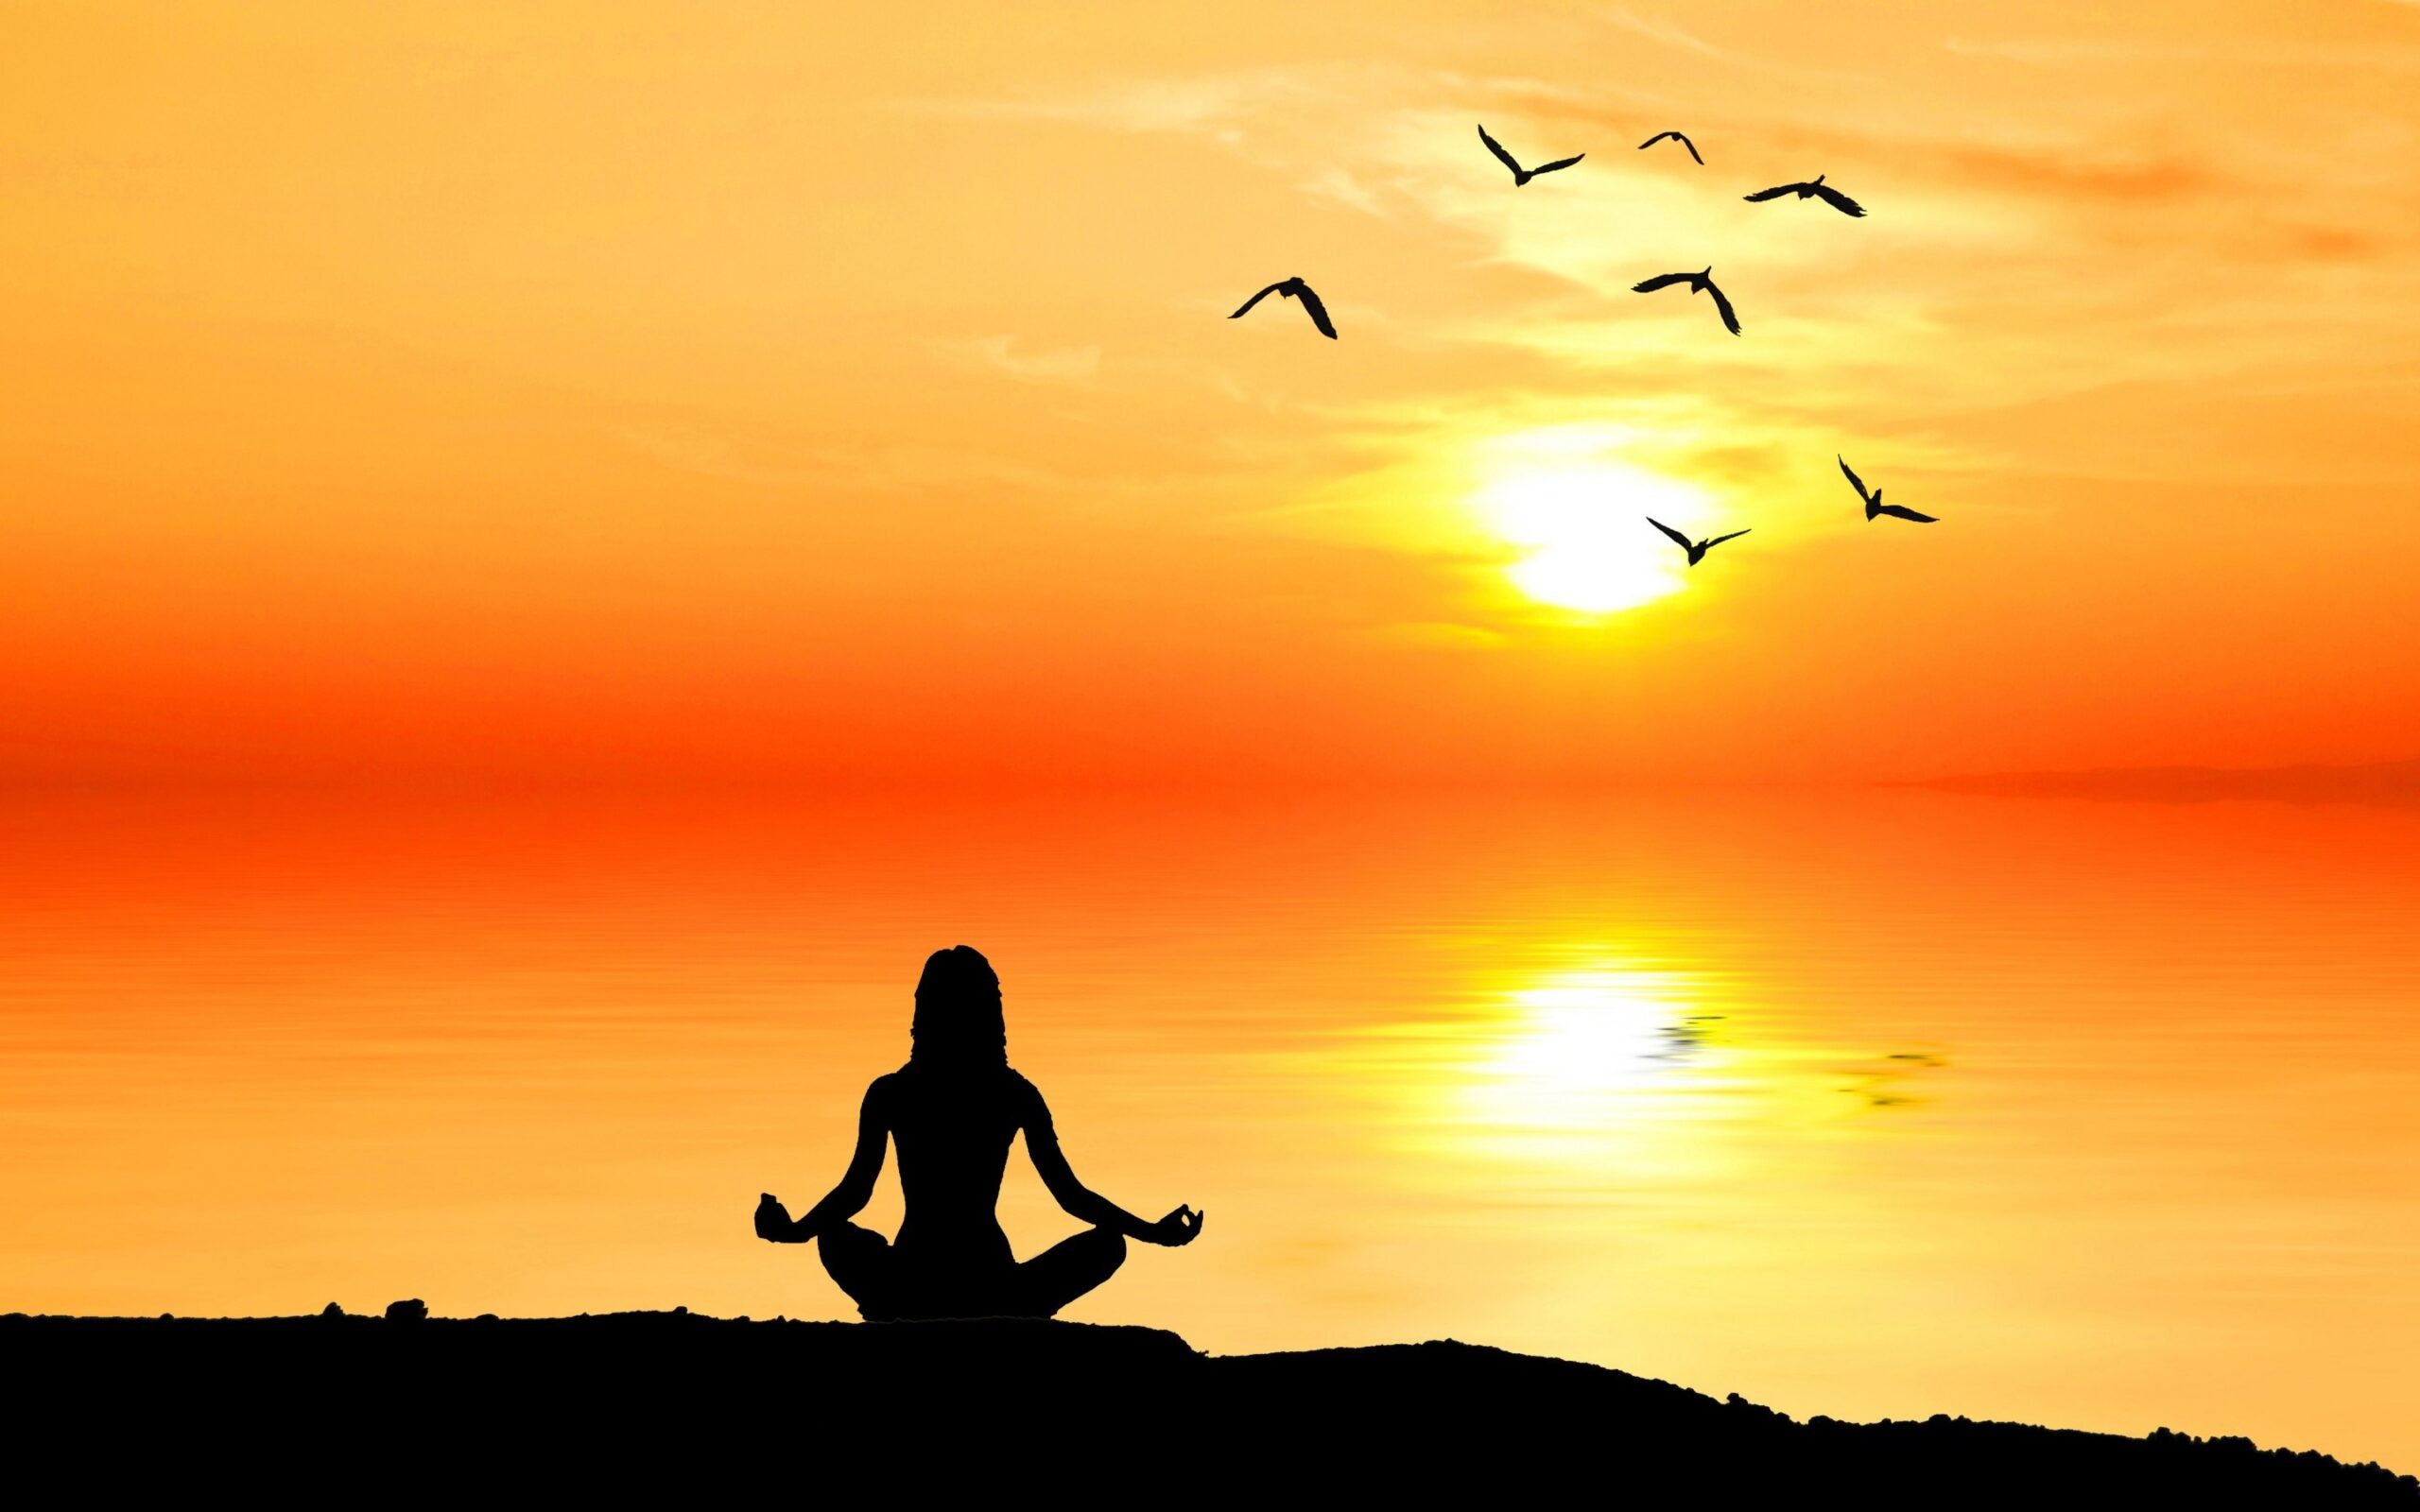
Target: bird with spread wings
(1873, 497)
(1699, 283)
(1294, 289)
(1814, 189)
(1520, 174)
(1673, 136)
(1697, 549)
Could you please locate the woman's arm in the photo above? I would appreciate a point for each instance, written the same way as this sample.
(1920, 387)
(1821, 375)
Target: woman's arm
(1082, 1202)
(849, 1199)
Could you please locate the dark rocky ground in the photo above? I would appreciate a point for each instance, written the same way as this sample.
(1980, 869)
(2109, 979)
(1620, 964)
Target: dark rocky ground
(666, 1406)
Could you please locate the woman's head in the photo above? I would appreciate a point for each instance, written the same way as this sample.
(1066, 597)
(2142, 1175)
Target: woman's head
(959, 1020)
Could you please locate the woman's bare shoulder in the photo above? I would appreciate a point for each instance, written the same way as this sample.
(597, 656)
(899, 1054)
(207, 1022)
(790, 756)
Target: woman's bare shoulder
(1032, 1106)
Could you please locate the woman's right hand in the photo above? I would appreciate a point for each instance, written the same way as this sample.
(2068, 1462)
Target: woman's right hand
(773, 1220)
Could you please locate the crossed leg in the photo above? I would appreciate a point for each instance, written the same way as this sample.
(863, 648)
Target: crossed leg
(861, 1262)
(1067, 1270)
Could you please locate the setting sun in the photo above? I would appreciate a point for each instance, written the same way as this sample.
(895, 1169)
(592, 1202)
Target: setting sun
(1582, 525)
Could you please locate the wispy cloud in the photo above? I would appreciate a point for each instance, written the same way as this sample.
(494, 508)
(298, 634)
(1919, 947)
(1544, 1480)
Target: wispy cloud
(710, 451)
(1062, 365)
(1676, 38)
(2112, 52)
(2053, 50)
(1340, 187)
(2071, 175)
(1669, 35)
(1210, 104)
(735, 454)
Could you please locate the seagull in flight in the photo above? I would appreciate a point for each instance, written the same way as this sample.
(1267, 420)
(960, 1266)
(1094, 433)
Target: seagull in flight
(1699, 283)
(1294, 289)
(1817, 190)
(1697, 549)
(1873, 503)
(1677, 137)
(1520, 174)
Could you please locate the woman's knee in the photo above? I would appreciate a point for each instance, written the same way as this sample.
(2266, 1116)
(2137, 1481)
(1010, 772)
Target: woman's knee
(858, 1262)
(846, 1247)
(853, 1236)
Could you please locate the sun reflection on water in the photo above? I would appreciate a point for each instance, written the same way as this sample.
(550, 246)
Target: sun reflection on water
(1604, 1072)
(1589, 1072)
(1577, 1047)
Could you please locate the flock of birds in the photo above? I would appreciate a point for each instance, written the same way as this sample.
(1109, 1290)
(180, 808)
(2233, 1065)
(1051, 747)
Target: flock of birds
(1701, 282)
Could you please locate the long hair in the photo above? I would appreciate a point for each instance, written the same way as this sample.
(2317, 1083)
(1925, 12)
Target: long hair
(958, 1021)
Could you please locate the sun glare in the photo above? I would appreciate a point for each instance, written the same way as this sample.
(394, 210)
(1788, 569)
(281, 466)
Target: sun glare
(1584, 1066)
(1578, 1037)
(1583, 527)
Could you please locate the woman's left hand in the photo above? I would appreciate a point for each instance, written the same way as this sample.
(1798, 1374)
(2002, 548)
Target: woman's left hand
(1178, 1228)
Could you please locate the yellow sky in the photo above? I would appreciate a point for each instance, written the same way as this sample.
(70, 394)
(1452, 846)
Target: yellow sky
(780, 390)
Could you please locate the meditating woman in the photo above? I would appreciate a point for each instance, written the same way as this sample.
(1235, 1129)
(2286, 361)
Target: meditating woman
(953, 1110)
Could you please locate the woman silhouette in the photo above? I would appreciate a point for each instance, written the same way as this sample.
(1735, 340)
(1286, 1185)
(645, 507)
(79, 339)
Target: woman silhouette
(953, 1110)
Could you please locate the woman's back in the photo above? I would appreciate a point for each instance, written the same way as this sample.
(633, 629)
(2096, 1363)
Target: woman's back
(953, 1129)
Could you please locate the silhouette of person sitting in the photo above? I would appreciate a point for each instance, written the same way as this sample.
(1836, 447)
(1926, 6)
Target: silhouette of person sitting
(953, 1110)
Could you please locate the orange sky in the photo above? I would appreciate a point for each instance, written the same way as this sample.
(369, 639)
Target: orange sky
(811, 393)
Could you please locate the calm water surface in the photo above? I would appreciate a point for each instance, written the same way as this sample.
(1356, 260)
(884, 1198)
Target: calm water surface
(1864, 1103)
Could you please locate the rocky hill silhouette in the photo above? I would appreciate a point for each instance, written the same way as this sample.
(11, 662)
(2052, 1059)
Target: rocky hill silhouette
(664, 1404)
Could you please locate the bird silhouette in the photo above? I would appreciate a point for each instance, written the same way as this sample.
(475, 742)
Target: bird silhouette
(1697, 549)
(1294, 289)
(1699, 283)
(1817, 190)
(1677, 137)
(1872, 498)
(1520, 174)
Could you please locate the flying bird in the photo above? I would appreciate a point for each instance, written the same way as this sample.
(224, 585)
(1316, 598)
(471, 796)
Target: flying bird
(1677, 137)
(1294, 289)
(1699, 283)
(1817, 190)
(1873, 503)
(1697, 549)
(1520, 174)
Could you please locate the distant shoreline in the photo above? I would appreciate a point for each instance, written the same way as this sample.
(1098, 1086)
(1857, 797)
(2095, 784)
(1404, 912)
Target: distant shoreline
(2392, 784)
